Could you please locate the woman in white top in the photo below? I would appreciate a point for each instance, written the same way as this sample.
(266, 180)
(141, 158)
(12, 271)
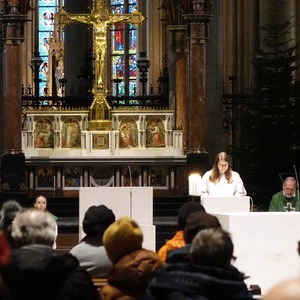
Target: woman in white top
(221, 181)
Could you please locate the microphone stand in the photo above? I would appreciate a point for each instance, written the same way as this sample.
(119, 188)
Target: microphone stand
(130, 180)
(297, 182)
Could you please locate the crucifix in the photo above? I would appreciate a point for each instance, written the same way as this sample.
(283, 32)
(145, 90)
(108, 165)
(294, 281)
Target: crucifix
(99, 19)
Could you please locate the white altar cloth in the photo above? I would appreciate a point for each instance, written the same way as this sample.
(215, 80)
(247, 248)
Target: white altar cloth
(134, 202)
(265, 244)
(226, 204)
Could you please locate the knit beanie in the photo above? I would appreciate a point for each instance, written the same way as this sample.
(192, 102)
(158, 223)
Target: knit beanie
(198, 221)
(121, 238)
(97, 219)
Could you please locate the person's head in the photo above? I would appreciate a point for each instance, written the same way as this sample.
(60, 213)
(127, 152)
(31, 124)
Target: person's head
(221, 166)
(97, 219)
(289, 187)
(222, 163)
(198, 221)
(212, 247)
(286, 290)
(33, 226)
(8, 213)
(40, 203)
(185, 210)
(121, 238)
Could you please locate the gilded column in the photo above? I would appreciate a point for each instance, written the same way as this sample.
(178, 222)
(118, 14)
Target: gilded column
(12, 17)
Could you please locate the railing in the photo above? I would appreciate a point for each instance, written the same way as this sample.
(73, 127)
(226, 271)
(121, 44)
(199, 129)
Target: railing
(145, 101)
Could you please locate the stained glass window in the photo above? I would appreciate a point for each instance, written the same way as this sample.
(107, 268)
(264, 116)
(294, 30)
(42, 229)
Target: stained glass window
(123, 39)
(46, 13)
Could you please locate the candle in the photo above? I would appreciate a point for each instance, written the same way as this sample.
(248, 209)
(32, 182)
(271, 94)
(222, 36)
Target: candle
(194, 184)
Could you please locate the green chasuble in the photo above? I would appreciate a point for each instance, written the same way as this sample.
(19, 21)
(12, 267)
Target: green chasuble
(281, 203)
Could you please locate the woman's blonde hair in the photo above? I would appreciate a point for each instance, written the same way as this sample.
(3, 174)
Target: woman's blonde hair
(215, 175)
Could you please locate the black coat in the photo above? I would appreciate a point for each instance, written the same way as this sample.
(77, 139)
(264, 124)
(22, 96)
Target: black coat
(190, 281)
(40, 272)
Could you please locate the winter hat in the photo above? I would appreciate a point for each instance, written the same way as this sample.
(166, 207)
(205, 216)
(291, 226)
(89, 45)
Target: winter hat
(121, 238)
(97, 219)
(198, 221)
(185, 210)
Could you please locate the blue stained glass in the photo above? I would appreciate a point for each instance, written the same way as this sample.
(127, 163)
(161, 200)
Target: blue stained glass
(132, 40)
(132, 88)
(132, 67)
(117, 39)
(43, 89)
(44, 43)
(121, 89)
(43, 76)
(47, 3)
(118, 42)
(117, 2)
(131, 8)
(46, 17)
(47, 10)
(118, 10)
(118, 66)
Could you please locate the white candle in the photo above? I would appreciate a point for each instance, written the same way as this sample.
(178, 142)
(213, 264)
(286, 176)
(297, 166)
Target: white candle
(194, 184)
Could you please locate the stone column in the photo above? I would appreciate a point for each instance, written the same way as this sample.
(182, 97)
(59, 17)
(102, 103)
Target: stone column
(197, 22)
(181, 78)
(12, 17)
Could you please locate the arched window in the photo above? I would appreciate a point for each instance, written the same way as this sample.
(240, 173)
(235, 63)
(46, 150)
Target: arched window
(123, 50)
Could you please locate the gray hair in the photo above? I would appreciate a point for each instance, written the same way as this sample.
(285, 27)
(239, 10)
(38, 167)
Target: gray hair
(212, 247)
(290, 179)
(33, 226)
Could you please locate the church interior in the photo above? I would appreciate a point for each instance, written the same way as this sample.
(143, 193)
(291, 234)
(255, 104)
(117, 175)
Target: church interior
(144, 93)
(118, 93)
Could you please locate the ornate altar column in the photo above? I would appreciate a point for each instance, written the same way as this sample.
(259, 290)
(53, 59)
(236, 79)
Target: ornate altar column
(197, 23)
(12, 17)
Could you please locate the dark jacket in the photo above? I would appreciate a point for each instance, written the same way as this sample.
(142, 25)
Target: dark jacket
(40, 272)
(190, 281)
(179, 255)
(129, 277)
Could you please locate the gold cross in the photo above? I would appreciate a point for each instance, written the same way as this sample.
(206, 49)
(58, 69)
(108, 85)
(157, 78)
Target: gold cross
(100, 19)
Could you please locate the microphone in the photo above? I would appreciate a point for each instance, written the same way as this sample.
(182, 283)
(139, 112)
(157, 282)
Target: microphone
(130, 182)
(297, 182)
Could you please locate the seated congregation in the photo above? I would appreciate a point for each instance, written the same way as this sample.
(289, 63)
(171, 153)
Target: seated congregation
(111, 263)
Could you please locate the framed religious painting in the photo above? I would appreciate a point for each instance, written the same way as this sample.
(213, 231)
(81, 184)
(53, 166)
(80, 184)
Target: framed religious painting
(45, 178)
(72, 178)
(155, 133)
(43, 133)
(128, 133)
(158, 177)
(71, 133)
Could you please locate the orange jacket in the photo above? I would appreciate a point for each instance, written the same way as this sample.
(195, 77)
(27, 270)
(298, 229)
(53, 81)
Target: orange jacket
(177, 241)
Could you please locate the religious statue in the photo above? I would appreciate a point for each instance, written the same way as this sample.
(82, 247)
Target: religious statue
(20, 7)
(99, 19)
